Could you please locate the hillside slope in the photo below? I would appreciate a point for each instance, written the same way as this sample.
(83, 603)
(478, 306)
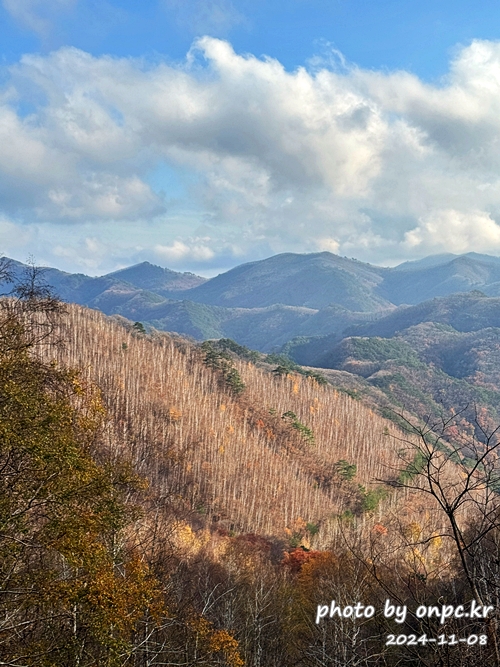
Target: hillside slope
(267, 303)
(232, 459)
(441, 275)
(212, 555)
(433, 358)
(312, 280)
(156, 279)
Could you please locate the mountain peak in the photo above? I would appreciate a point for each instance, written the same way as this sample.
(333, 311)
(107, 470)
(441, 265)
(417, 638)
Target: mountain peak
(156, 278)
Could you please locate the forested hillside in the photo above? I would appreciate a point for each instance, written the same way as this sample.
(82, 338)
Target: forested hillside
(170, 503)
(222, 451)
(265, 304)
(429, 359)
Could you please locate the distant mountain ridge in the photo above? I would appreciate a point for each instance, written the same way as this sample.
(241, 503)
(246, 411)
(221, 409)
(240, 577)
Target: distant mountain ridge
(264, 304)
(317, 280)
(157, 279)
(334, 314)
(313, 281)
(414, 282)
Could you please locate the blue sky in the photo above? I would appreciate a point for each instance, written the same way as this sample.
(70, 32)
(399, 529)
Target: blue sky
(199, 134)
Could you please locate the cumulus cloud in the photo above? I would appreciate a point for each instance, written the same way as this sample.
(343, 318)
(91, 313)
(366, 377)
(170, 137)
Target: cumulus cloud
(455, 231)
(86, 254)
(104, 196)
(379, 165)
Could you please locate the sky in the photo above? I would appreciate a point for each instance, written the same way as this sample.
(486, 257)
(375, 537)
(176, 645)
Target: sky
(201, 134)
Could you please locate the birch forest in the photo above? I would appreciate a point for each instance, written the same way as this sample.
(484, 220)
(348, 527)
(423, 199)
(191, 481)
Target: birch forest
(165, 502)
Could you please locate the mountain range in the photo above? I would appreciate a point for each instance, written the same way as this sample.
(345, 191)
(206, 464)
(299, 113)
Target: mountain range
(250, 487)
(265, 304)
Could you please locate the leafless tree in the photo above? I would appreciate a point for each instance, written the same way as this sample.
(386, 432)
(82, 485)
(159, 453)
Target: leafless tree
(461, 476)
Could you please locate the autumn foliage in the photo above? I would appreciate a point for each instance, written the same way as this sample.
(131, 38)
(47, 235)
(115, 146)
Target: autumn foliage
(164, 504)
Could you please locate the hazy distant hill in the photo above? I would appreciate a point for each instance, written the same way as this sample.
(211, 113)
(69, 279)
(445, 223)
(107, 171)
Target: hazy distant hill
(263, 329)
(312, 280)
(80, 288)
(472, 311)
(267, 303)
(156, 279)
(414, 282)
(319, 279)
(438, 356)
(464, 312)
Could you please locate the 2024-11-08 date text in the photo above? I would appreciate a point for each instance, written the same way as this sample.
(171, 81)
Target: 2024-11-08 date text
(441, 640)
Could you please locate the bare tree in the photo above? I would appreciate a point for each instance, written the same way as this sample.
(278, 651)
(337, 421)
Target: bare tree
(462, 476)
(31, 303)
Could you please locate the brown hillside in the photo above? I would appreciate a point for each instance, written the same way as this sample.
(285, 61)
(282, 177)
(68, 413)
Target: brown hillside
(232, 459)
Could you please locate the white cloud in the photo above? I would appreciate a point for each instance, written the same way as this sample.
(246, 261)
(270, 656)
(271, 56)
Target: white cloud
(84, 254)
(179, 251)
(104, 196)
(377, 164)
(455, 231)
(330, 245)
